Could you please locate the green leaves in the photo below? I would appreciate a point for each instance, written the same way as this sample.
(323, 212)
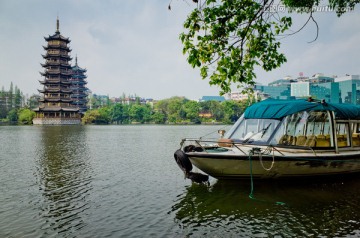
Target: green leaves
(227, 39)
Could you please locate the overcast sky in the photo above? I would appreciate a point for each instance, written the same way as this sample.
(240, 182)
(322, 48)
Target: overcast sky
(133, 46)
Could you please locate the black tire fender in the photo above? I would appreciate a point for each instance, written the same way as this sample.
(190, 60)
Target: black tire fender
(183, 161)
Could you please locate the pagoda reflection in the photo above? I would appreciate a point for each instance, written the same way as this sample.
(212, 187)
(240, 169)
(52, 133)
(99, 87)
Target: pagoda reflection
(64, 176)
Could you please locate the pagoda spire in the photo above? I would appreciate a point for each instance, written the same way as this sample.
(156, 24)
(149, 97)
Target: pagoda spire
(76, 61)
(57, 25)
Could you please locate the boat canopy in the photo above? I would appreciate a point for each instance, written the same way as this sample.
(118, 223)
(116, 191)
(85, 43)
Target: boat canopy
(278, 108)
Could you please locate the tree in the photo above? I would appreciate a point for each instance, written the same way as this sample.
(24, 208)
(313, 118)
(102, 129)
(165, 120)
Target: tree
(11, 97)
(97, 116)
(17, 98)
(33, 101)
(90, 116)
(192, 110)
(25, 116)
(174, 109)
(3, 109)
(158, 117)
(104, 116)
(227, 39)
(140, 113)
(117, 113)
(12, 115)
(233, 110)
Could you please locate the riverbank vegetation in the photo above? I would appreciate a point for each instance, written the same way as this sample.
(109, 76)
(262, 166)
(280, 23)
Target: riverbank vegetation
(16, 109)
(175, 110)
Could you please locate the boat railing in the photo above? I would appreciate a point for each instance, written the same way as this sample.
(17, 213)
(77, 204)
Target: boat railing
(218, 143)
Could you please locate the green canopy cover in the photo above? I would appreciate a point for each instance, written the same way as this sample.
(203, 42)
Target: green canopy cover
(277, 109)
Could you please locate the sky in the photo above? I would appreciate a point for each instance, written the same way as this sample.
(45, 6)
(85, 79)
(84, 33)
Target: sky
(133, 48)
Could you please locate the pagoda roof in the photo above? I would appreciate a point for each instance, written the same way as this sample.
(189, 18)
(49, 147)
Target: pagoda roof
(55, 100)
(57, 36)
(55, 90)
(56, 109)
(65, 56)
(49, 81)
(77, 68)
(57, 47)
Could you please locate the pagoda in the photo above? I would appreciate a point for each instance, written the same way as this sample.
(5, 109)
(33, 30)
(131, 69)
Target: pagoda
(56, 105)
(79, 89)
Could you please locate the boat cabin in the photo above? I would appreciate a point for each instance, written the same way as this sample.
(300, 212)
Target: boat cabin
(298, 123)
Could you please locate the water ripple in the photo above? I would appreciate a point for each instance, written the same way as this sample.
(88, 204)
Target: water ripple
(122, 181)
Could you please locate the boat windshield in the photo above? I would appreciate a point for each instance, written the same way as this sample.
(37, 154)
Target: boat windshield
(252, 130)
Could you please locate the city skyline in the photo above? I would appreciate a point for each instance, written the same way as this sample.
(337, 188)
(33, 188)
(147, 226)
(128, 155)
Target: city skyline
(134, 48)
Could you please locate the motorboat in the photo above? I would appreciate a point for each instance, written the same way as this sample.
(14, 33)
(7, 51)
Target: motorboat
(280, 139)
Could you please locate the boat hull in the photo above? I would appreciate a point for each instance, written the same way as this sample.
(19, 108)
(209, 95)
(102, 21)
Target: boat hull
(267, 167)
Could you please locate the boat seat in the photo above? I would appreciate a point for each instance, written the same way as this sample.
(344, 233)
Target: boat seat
(323, 141)
(356, 139)
(310, 141)
(341, 140)
(286, 140)
(300, 140)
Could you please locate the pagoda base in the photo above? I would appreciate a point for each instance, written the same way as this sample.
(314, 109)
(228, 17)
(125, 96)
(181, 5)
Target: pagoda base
(56, 121)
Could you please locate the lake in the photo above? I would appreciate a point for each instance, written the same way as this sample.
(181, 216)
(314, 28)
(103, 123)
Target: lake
(122, 181)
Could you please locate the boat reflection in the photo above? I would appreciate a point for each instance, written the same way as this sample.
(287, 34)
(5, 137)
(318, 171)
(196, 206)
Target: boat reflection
(64, 178)
(324, 209)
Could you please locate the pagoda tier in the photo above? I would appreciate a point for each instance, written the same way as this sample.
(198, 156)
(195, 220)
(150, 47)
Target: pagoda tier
(53, 72)
(76, 83)
(57, 47)
(79, 92)
(56, 104)
(79, 95)
(57, 109)
(55, 90)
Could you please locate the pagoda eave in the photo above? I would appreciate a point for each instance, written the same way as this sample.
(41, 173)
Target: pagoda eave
(57, 36)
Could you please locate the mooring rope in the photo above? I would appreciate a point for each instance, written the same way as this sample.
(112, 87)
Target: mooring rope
(251, 195)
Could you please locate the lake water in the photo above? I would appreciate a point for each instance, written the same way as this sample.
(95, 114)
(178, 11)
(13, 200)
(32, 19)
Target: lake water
(122, 181)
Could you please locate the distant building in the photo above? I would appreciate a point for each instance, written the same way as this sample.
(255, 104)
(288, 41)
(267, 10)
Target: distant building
(205, 114)
(212, 98)
(278, 89)
(282, 82)
(300, 89)
(349, 87)
(276, 92)
(56, 103)
(238, 96)
(320, 78)
(328, 91)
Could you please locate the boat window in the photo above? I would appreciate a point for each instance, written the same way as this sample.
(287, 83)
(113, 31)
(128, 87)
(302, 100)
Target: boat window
(342, 132)
(356, 134)
(254, 130)
(234, 128)
(310, 129)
